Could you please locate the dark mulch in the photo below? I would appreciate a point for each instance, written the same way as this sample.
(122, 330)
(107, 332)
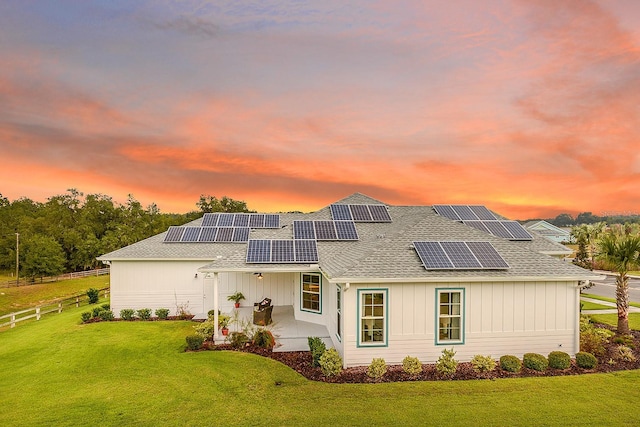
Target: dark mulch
(301, 362)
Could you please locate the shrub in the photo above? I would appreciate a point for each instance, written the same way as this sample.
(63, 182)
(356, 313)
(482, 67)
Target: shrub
(446, 364)
(586, 360)
(481, 363)
(377, 369)
(93, 295)
(86, 316)
(106, 306)
(624, 353)
(330, 362)
(162, 313)
(264, 338)
(127, 313)
(238, 339)
(144, 313)
(535, 361)
(510, 363)
(412, 365)
(194, 342)
(96, 311)
(206, 329)
(317, 348)
(593, 340)
(106, 315)
(559, 360)
(624, 339)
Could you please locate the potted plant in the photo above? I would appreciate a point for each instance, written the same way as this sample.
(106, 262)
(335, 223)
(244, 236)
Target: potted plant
(223, 323)
(236, 298)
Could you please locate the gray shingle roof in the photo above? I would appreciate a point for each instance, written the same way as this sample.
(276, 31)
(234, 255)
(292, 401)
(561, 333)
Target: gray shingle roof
(383, 252)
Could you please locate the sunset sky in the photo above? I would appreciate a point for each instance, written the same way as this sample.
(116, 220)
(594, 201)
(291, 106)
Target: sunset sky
(529, 107)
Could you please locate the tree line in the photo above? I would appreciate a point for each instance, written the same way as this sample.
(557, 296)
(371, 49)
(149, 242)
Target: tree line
(68, 231)
(566, 220)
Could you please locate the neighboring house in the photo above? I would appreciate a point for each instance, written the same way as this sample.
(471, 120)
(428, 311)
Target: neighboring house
(550, 231)
(379, 280)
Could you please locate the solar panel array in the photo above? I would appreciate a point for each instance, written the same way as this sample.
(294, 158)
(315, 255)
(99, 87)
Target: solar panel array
(360, 213)
(182, 234)
(281, 251)
(325, 230)
(478, 216)
(459, 256)
(251, 220)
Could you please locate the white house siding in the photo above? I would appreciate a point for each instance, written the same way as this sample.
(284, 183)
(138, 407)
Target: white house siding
(499, 318)
(156, 284)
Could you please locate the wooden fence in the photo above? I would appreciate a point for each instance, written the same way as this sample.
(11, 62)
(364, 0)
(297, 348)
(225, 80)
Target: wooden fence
(55, 306)
(66, 276)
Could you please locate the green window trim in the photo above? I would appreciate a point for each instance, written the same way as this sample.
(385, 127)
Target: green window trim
(449, 316)
(373, 318)
(311, 293)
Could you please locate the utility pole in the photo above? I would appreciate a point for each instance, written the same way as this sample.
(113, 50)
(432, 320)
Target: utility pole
(17, 259)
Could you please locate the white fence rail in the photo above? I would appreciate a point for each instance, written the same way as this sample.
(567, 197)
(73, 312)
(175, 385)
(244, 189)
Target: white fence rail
(66, 276)
(52, 307)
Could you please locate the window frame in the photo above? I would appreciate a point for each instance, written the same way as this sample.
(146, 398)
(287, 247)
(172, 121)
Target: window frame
(339, 303)
(438, 315)
(360, 318)
(303, 292)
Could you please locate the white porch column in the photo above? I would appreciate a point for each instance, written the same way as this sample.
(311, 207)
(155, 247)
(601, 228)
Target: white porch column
(215, 304)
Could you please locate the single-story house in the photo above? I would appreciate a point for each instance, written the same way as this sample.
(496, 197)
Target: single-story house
(550, 231)
(374, 280)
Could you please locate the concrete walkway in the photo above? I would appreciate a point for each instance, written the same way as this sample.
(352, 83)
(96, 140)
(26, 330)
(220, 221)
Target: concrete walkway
(613, 310)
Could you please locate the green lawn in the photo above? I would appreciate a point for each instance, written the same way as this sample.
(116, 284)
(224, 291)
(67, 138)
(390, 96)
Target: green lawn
(587, 305)
(60, 372)
(633, 304)
(21, 297)
(612, 319)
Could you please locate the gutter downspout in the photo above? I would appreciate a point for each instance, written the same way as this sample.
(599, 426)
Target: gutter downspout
(215, 306)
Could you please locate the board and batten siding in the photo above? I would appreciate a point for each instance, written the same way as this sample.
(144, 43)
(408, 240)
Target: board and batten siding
(499, 318)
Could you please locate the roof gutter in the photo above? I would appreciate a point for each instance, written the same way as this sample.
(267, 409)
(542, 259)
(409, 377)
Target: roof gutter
(484, 279)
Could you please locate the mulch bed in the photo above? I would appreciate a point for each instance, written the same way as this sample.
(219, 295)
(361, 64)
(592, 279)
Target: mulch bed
(302, 362)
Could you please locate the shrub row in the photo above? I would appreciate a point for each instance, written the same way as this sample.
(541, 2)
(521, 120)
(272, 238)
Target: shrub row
(97, 313)
(104, 313)
(328, 360)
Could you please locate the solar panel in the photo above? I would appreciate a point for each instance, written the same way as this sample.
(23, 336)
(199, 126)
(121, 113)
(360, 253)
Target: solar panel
(210, 220)
(432, 255)
(241, 220)
(272, 221)
(282, 251)
(174, 234)
(346, 230)
(447, 212)
(360, 213)
(517, 230)
(464, 212)
(256, 221)
(240, 234)
(341, 213)
(226, 219)
(306, 251)
(460, 255)
(325, 230)
(191, 234)
(225, 234)
(477, 224)
(208, 234)
(379, 213)
(497, 229)
(482, 212)
(303, 230)
(259, 251)
(487, 255)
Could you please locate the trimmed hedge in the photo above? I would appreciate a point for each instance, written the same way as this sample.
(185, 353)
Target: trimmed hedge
(162, 313)
(317, 348)
(377, 369)
(510, 363)
(194, 342)
(330, 362)
(127, 313)
(411, 365)
(559, 360)
(144, 313)
(586, 360)
(535, 361)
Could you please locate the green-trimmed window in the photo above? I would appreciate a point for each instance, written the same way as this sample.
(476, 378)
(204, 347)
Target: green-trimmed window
(373, 317)
(311, 293)
(450, 316)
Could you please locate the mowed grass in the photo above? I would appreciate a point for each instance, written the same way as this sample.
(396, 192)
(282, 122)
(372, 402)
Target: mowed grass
(60, 372)
(26, 296)
(587, 305)
(613, 300)
(612, 319)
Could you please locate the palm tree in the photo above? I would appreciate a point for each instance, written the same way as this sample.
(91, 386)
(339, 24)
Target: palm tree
(586, 236)
(623, 252)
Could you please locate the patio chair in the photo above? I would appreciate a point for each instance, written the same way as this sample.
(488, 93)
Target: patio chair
(262, 312)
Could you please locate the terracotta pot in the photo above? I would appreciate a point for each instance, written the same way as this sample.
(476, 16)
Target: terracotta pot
(225, 331)
(237, 305)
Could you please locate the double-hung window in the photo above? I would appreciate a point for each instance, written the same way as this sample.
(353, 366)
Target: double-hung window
(450, 308)
(373, 317)
(311, 293)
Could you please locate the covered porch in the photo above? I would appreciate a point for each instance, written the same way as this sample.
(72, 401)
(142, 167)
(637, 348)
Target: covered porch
(290, 334)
